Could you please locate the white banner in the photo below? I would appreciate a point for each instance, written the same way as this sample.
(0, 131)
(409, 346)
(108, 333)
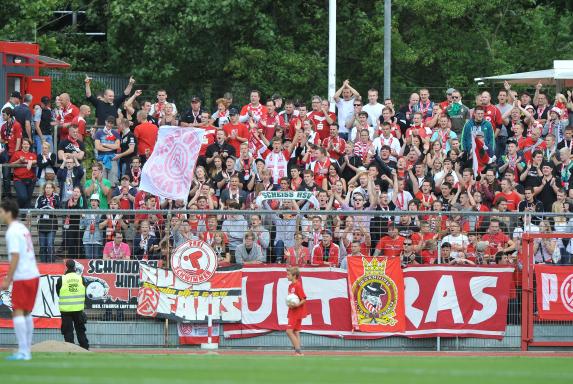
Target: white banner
(169, 170)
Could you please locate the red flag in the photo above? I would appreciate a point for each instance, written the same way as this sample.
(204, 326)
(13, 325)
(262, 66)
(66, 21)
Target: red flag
(554, 292)
(376, 287)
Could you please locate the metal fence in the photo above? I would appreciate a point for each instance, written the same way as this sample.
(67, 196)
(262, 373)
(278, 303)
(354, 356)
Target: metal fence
(447, 237)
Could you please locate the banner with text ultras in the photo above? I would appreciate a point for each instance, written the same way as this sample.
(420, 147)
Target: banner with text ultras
(192, 289)
(554, 292)
(449, 301)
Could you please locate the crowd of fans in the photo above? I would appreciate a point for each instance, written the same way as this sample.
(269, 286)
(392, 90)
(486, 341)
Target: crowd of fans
(435, 157)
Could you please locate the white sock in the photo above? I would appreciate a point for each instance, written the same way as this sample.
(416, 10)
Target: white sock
(30, 332)
(20, 329)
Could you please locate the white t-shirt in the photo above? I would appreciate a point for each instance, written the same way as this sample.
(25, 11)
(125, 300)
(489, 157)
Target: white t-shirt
(374, 112)
(392, 142)
(460, 240)
(345, 109)
(354, 133)
(19, 240)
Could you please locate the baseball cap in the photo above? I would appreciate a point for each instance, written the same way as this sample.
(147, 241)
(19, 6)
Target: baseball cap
(547, 164)
(16, 94)
(327, 232)
(529, 106)
(450, 90)
(233, 111)
(45, 99)
(195, 99)
(95, 196)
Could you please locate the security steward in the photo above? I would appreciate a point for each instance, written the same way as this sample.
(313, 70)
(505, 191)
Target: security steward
(71, 289)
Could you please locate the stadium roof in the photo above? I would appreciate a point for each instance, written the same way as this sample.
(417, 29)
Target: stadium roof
(560, 75)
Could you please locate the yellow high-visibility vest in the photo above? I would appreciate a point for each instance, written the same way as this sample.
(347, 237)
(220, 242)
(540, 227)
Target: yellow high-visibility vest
(72, 293)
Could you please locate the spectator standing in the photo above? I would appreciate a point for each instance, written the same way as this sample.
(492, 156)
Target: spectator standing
(98, 185)
(192, 117)
(23, 115)
(47, 223)
(145, 244)
(46, 164)
(345, 105)
(72, 144)
(10, 142)
(69, 112)
(92, 238)
(157, 110)
(71, 224)
(127, 147)
(373, 108)
(70, 174)
(107, 144)
(24, 175)
(235, 227)
(108, 105)
(43, 124)
(146, 135)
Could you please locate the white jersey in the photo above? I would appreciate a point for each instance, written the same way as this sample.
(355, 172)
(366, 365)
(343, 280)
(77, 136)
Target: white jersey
(19, 240)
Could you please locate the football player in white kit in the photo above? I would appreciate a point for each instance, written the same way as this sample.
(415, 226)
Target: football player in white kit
(24, 276)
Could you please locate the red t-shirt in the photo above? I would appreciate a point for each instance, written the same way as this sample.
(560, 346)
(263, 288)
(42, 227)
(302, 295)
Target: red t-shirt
(512, 198)
(81, 123)
(146, 135)
(23, 172)
(321, 126)
(493, 115)
(270, 123)
(338, 146)
(297, 313)
(12, 138)
(391, 247)
(240, 130)
(498, 239)
(422, 131)
(208, 139)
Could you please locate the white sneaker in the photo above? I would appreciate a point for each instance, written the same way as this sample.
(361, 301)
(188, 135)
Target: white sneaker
(19, 356)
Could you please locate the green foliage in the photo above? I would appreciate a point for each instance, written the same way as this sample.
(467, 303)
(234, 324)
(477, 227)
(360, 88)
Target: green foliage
(207, 48)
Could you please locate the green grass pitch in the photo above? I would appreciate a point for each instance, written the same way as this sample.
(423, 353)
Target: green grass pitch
(100, 368)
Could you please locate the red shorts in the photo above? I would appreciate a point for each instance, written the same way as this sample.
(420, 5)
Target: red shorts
(24, 294)
(295, 324)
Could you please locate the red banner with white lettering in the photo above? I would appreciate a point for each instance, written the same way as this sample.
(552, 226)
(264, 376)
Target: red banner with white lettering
(376, 287)
(462, 301)
(554, 292)
(447, 301)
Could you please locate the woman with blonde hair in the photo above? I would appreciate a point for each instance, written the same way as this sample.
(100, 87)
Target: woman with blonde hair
(546, 250)
(168, 117)
(562, 103)
(221, 116)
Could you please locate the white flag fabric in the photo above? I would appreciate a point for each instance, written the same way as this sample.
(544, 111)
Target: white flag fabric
(169, 170)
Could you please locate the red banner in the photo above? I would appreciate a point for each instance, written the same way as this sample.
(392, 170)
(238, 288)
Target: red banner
(196, 334)
(449, 301)
(376, 287)
(45, 313)
(554, 292)
(439, 301)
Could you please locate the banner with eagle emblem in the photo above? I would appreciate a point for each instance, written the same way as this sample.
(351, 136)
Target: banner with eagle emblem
(376, 287)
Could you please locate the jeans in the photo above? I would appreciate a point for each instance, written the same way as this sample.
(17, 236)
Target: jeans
(47, 246)
(93, 251)
(111, 174)
(38, 143)
(24, 190)
(6, 174)
(278, 252)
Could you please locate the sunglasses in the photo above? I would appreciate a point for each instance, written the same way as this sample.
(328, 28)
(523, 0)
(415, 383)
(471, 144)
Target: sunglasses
(357, 105)
(407, 243)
